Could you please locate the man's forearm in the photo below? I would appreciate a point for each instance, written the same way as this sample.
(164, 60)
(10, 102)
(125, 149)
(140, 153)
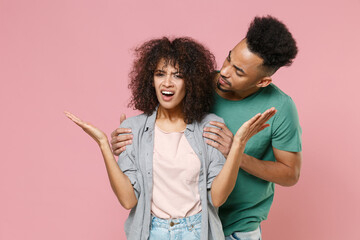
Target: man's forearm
(276, 172)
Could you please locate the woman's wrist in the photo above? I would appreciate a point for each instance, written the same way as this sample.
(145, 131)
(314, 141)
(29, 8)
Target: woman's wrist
(239, 142)
(104, 144)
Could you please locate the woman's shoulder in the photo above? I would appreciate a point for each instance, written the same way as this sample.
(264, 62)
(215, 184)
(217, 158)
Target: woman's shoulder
(134, 122)
(211, 117)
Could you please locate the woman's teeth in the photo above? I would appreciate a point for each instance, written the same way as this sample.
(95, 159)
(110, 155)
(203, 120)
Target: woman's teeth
(167, 93)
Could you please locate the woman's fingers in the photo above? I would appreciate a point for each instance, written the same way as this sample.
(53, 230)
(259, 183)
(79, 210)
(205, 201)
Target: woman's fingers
(75, 119)
(255, 125)
(253, 120)
(265, 116)
(269, 114)
(72, 117)
(94, 132)
(262, 128)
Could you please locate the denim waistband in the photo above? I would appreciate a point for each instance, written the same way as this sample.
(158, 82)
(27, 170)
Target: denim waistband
(187, 222)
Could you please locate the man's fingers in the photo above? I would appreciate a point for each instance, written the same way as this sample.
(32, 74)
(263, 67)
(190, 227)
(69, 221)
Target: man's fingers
(120, 131)
(214, 144)
(213, 130)
(213, 137)
(121, 138)
(118, 145)
(219, 136)
(122, 117)
(120, 150)
(221, 125)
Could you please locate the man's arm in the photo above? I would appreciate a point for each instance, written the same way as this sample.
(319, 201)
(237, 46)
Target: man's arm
(225, 181)
(285, 171)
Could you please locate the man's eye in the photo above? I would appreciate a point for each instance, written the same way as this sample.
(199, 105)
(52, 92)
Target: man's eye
(228, 57)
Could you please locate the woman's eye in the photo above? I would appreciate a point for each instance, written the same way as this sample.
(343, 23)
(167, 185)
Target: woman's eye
(159, 74)
(178, 76)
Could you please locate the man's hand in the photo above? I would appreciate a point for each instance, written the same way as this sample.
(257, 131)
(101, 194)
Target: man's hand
(220, 138)
(119, 142)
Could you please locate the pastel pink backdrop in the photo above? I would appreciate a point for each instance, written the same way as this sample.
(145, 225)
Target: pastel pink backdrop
(75, 55)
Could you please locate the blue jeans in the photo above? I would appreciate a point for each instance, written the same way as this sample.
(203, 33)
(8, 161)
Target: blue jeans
(188, 228)
(253, 235)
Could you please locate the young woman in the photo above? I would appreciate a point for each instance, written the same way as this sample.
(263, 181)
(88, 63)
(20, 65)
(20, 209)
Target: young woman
(169, 177)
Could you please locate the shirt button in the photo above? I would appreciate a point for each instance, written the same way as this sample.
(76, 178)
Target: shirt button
(200, 152)
(172, 224)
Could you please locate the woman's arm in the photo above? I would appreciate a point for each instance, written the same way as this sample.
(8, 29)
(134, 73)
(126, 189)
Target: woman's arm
(119, 182)
(225, 181)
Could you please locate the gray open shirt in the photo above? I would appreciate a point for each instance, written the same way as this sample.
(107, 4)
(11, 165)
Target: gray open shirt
(136, 163)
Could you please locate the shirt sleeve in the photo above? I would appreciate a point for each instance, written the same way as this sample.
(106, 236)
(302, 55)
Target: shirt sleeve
(286, 129)
(216, 159)
(126, 162)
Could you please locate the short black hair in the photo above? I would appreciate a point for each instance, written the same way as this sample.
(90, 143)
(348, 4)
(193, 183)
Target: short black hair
(271, 40)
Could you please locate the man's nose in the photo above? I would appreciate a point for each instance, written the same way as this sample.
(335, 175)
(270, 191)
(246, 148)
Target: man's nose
(225, 70)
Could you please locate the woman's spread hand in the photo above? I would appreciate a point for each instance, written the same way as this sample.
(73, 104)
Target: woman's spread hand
(254, 125)
(99, 136)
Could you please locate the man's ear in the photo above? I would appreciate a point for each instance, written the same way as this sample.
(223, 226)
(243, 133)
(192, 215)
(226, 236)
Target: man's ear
(264, 82)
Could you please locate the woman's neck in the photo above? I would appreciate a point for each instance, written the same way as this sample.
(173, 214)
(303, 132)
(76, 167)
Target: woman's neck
(170, 120)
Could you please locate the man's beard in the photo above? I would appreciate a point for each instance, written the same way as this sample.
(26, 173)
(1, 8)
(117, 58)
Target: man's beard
(218, 85)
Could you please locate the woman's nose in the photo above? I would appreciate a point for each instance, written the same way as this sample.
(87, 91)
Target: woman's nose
(168, 81)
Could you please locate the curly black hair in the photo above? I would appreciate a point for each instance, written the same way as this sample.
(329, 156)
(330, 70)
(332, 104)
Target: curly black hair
(194, 61)
(271, 40)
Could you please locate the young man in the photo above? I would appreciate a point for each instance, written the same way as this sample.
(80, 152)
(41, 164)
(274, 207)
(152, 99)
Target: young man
(243, 88)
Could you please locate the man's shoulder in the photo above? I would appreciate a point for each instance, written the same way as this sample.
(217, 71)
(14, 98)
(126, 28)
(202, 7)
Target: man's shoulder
(275, 91)
(276, 97)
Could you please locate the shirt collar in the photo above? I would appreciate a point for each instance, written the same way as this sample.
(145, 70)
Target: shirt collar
(150, 122)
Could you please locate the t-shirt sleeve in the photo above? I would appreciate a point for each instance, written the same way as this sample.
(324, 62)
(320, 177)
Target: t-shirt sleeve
(286, 129)
(126, 162)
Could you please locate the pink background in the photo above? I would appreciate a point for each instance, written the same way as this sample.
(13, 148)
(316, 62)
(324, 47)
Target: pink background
(75, 55)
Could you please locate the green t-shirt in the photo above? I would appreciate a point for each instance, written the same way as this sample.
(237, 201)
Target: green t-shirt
(250, 201)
